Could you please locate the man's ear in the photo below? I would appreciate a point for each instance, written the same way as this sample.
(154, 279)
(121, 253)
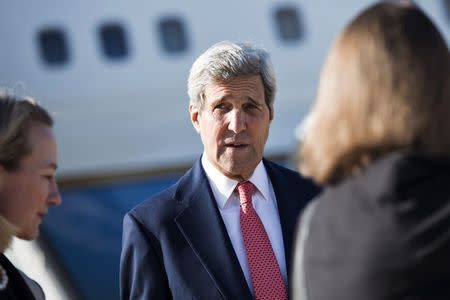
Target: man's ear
(194, 112)
(271, 114)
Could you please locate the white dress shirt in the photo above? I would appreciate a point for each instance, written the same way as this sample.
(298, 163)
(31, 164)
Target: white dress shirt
(264, 203)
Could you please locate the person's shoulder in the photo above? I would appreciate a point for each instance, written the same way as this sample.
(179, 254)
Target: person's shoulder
(153, 212)
(289, 176)
(273, 167)
(34, 287)
(164, 204)
(156, 204)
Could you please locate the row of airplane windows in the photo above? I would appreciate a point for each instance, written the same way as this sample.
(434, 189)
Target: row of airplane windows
(173, 36)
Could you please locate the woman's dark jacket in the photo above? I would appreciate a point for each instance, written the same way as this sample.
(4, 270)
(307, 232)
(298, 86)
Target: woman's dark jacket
(383, 234)
(17, 287)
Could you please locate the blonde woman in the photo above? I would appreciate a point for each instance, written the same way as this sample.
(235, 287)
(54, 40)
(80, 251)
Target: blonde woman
(27, 185)
(379, 140)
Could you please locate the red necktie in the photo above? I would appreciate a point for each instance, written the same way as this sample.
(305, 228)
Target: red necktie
(264, 270)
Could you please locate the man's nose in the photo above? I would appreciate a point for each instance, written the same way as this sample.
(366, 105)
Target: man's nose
(237, 122)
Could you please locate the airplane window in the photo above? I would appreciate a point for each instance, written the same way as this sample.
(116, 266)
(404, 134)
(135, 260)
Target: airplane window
(173, 35)
(113, 41)
(288, 23)
(53, 46)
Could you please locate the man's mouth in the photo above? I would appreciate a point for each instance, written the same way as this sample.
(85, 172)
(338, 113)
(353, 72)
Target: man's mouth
(236, 145)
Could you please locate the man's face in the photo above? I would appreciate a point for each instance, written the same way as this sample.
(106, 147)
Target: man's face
(234, 125)
(27, 193)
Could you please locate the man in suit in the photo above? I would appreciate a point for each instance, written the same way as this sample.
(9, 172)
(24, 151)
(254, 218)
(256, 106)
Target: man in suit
(225, 229)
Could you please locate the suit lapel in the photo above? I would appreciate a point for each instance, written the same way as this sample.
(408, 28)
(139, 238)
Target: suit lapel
(202, 226)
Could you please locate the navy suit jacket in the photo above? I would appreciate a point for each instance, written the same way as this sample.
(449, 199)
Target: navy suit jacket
(176, 246)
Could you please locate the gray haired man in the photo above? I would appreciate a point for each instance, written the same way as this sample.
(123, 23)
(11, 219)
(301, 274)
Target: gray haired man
(225, 229)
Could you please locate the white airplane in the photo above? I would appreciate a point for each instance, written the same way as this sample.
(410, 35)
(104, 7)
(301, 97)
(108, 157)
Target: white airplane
(114, 74)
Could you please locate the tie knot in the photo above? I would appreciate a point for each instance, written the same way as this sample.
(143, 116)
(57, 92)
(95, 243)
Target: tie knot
(245, 190)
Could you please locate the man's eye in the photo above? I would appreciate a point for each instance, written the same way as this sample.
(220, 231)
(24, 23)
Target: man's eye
(220, 106)
(49, 177)
(252, 106)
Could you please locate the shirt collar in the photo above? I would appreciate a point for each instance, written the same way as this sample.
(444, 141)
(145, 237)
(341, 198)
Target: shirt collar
(225, 186)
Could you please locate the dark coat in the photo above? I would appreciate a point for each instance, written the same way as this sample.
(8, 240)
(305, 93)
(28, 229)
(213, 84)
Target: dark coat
(381, 235)
(19, 287)
(175, 245)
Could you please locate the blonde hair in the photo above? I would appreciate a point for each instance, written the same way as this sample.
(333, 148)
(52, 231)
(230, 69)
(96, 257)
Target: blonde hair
(384, 86)
(16, 116)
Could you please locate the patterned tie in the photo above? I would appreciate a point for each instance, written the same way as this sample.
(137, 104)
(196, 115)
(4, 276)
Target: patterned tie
(264, 270)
